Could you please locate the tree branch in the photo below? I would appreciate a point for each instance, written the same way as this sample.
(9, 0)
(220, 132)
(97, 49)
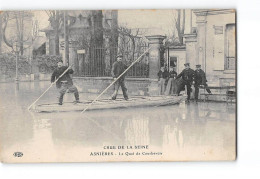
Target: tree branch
(9, 44)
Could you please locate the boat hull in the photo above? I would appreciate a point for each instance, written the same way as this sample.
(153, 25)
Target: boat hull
(110, 104)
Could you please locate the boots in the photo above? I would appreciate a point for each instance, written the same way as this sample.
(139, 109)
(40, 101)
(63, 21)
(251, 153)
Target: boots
(76, 94)
(61, 98)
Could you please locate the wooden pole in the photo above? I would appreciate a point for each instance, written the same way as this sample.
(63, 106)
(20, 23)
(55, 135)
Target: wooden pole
(49, 87)
(1, 31)
(115, 81)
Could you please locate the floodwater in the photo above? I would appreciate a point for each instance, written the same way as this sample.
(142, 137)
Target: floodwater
(203, 131)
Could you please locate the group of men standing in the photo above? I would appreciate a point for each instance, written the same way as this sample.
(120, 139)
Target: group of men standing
(167, 80)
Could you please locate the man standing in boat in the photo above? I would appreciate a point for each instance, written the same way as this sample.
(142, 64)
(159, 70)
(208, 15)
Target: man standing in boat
(200, 80)
(65, 82)
(188, 77)
(117, 69)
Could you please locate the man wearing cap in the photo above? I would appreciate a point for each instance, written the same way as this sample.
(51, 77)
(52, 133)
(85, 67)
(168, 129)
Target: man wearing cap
(200, 80)
(187, 76)
(117, 69)
(65, 82)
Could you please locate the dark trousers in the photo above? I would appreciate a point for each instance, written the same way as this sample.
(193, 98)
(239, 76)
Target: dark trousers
(196, 86)
(71, 89)
(123, 87)
(161, 86)
(188, 86)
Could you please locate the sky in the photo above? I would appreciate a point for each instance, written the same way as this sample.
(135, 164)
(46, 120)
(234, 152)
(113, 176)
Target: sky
(161, 21)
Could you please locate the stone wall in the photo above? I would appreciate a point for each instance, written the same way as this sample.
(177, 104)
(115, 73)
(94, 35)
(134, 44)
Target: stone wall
(135, 86)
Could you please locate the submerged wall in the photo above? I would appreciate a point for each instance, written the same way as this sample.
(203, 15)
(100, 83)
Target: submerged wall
(135, 86)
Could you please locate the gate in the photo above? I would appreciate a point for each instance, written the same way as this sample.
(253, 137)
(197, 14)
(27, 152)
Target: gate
(98, 61)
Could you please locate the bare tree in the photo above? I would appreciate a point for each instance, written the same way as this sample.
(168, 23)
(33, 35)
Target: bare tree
(56, 18)
(18, 32)
(129, 39)
(180, 24)
(1, 31)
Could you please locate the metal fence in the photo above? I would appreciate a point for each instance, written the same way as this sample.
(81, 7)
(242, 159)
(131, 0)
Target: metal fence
(98, 61)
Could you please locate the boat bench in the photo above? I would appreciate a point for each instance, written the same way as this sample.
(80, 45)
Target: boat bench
(228, 95)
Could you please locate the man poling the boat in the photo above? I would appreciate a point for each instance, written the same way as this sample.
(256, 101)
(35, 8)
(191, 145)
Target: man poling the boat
(64, 82)
(115, 80)
(118, 68)
(48, 88)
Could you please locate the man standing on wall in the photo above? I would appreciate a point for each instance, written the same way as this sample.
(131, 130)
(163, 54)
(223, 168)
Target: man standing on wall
(65, 82)
(200, 80)
(117, 69)
(187, 76)
(163, 75)
(171, 85)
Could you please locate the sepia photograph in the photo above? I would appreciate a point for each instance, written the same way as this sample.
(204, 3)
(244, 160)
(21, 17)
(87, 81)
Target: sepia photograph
(118, 85)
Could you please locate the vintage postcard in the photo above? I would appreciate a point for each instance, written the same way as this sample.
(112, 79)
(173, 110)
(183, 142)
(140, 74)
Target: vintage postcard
(118, 85)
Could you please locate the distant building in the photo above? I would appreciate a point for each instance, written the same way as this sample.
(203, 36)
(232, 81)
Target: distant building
(215, 44)
(90, 34)
(211, 42)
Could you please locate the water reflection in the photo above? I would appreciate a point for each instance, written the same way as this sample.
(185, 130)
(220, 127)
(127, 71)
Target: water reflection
(183, 129)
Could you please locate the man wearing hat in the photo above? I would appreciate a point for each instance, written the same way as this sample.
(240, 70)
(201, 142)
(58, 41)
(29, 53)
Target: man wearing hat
(200, 80)
(65, 82)
(187, 76)
(117, 69)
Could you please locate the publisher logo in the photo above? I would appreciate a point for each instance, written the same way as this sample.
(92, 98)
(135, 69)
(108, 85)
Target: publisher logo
(18, 154)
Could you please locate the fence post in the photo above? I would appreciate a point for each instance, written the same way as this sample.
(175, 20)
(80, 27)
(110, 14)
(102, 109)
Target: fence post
(155, 42)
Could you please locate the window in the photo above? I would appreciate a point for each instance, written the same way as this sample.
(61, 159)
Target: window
(218, 29)
(173, 62)
(230, 48)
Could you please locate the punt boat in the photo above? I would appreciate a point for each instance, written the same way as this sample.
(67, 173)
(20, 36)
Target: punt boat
(105, 104)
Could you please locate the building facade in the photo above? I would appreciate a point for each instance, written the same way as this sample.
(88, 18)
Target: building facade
(92, 39)
(212, 43)
(209, 40)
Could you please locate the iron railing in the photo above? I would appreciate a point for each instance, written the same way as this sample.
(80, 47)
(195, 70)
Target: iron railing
(98, 61)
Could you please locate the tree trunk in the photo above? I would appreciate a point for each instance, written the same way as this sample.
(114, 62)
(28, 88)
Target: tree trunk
(21, 45)
(57, 42)
(178, 25)
(56, 32)
(183, 26)
(114, 37)
(21, 35)
(66, 39)
(4, 36)
(1, 32)
(133, 43)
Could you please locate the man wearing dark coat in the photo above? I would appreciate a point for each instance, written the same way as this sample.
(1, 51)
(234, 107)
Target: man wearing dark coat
(187, 78)
(117, 69)
(163, 76)
(65, 82)
(200, 80)
(171, 87)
